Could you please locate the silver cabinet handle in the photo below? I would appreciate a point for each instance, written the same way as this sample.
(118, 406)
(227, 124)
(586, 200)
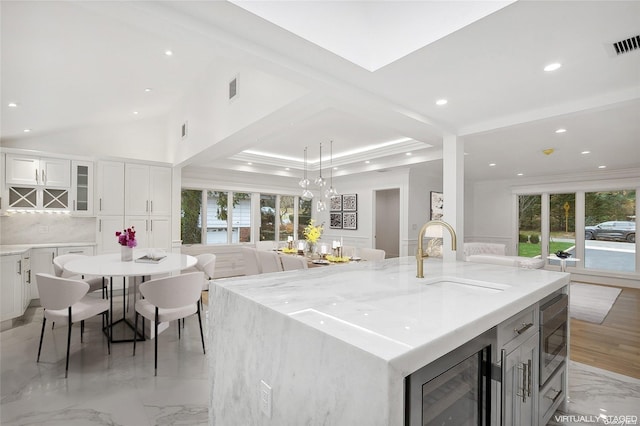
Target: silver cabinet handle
(37, 180)
(525, 327)
(44, 178)
(19, 265)
(523, 366)
(146, 206)
(53, 255)
(555, 397)
(29, 276)
(74, 205)
(100, 225)
(151, 206)
(100, 202)
(529, 378)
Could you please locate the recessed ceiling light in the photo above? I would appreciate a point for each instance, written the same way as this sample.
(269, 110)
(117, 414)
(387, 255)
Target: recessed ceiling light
(148, 89)
(441, 102)
(27, 130)
(561, 130)
(408, 153)
(168, 52)
(251, 164)
(552, 67)
(602, 167)
(135, 112)
(492, 164)
(12, 105)
(335, 168)
(585, 152)
(287, 168)
(367, 162)
(520, 174)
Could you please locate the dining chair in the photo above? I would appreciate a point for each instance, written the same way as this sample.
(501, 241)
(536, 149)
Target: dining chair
(251, 263)
(266, 245)
(269, 261)
(95, 283)
(372, 254)
(66, 299)
(206, 263)
(169, 299)
(290, 263)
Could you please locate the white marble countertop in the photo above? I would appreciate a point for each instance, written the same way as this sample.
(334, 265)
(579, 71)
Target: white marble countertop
(7, 249)
(383, 309)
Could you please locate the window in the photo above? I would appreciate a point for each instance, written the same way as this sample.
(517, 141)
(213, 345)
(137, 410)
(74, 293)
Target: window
(190, 221)
(529, 216)
(217, 207)
(304, 216)
(610, 230)
(287, 216)
(241, 217)
(267, 217)
(562, 223)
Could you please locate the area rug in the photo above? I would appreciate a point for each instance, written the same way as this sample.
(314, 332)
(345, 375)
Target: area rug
(591, 303)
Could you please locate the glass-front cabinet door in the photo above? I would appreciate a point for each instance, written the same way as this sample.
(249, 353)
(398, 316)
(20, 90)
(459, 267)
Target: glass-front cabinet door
(81, 188)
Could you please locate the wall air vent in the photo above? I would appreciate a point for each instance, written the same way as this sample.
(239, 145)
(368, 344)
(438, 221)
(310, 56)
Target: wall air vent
(627, 45)
(233, 88)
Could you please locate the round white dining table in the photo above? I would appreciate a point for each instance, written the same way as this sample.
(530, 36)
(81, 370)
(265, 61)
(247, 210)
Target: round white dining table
(111, 265)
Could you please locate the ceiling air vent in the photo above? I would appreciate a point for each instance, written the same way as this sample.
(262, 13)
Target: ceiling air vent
(627, 45)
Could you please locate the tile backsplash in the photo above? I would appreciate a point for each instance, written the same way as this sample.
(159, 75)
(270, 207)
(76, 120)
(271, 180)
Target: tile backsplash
(42, 228)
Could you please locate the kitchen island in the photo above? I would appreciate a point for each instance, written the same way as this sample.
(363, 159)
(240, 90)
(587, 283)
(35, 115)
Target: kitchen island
(333, 345)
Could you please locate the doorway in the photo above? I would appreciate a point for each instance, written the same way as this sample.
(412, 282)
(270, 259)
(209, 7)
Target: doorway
(387, 217)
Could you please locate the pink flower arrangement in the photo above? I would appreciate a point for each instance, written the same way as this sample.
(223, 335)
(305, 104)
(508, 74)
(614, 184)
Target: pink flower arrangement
(127, 237)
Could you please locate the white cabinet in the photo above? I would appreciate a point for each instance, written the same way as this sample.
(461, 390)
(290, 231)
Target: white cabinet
(151, 232)
(110, 188)
(41, 262)
(49, 172)
(147, 190)
(82, 188)
(106, 233)
(86, 250)
(11, 287)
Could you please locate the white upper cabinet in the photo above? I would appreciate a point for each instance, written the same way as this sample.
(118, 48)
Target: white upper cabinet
(110, 188)
(82, 188)
(147, 190)
(49, 172)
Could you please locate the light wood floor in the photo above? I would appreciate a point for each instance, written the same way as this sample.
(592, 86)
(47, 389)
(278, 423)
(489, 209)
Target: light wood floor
(613, 345)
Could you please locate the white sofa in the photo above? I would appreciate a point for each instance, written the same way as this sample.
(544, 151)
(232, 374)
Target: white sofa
(496, 254)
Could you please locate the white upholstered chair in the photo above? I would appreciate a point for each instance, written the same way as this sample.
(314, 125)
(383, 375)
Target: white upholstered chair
(95, 283)
(269, 261)
(206, 263)
(169, 299)
(266, 245)
(65, 299)
(372, 254)
(290, 262)
(251, 263)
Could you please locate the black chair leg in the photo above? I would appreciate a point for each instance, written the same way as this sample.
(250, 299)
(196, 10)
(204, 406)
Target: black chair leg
(201, 333)
(108, 333)
(178, 329)
(44, 321)
(82, 331)
(135, 330)
(156, 340)
(66, 372)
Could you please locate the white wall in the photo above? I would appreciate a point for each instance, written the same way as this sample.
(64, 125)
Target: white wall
(212, 117)
(423, 179)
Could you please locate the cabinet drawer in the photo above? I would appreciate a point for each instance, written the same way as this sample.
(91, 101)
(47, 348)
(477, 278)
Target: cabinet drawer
(552, 394)
(521, 324)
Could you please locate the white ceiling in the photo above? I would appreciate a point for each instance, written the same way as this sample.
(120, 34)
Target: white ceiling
(73, 64)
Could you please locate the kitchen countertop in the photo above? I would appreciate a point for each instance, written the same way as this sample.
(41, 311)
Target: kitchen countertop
(8, 249)
(334, 344)
(382, 308)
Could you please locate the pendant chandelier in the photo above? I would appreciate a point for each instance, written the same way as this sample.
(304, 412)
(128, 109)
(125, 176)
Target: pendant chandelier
(304, 182)
(320, 182)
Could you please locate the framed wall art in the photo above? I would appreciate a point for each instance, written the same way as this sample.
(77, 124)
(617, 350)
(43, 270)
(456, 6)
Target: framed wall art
(349, 220)
(335, 203)
(335, 220)
(437, 203)
(350, 202)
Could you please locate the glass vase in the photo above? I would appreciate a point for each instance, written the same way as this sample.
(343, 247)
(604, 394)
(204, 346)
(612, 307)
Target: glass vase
(126, 253)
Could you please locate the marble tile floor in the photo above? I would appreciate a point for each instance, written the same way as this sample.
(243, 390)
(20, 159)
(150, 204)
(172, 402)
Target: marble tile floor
(120, 389)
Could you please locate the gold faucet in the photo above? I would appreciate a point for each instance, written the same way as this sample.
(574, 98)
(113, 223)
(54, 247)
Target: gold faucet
(421, 254)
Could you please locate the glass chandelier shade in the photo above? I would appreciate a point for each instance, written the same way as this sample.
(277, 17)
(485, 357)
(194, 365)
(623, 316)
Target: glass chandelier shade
(304, 182)
(320, 181)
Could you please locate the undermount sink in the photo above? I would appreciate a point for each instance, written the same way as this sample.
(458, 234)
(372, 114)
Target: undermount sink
(463, 283)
